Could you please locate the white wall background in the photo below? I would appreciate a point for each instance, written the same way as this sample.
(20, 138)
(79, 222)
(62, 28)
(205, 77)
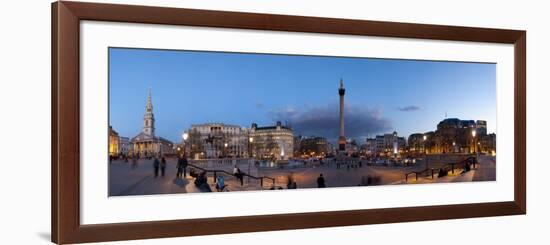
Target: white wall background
(25, 121)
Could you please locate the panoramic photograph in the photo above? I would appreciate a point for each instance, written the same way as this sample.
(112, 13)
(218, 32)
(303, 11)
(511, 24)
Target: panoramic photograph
(205, 121)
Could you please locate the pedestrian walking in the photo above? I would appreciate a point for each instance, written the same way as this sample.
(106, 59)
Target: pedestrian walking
(162, 166)
(179, 167)
(156, 165)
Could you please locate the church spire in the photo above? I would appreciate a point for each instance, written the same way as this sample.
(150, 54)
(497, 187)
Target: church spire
(149, 118)
(149, 106)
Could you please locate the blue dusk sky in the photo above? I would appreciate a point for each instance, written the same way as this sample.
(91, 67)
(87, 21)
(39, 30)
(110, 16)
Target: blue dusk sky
(382, 95)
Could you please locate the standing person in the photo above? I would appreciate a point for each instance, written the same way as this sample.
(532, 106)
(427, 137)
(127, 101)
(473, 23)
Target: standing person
(240, 175)
(290, 181)
(162, 166)
(156, 164)
(237, 172)
(321, 181)
(179, 167)
(184, 164)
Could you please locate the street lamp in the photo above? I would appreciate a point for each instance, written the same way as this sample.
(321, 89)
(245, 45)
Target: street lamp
(250, 140)
(225, 149)
(184, 136)
(479, 147)
(425, 153)
(424, 143)
(473, 139)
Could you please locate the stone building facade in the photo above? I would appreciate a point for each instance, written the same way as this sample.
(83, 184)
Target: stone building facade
(272, 142)
(113, 142)
(217, 140)
(311, 146)
(386, 144)
(455, 136)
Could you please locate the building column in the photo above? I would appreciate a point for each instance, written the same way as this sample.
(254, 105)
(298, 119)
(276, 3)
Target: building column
(342, 137)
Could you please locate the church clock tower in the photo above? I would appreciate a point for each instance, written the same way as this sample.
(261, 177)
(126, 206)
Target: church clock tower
(149, 118)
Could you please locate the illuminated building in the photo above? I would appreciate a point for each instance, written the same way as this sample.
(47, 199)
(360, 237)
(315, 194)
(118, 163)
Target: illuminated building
(272, 142)
(455, 136)
(113, 142)
(312, 146)
(386, 143)
(215, 140)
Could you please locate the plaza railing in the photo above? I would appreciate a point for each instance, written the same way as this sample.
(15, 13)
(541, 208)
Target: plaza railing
(217, 171)
(221, 162)
(447, 167)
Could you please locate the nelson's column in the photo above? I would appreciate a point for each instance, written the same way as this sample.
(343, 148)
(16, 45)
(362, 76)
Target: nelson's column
(342, 138)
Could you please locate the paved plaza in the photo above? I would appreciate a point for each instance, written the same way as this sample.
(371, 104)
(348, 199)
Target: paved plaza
(129, 178)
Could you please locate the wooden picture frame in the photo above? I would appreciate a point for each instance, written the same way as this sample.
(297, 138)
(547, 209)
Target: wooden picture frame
(65, 169)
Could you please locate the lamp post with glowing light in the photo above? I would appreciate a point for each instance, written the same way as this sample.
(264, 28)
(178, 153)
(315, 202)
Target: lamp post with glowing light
(474, 140)
(250, 152)
(225, 149)
(184, 136)
(424, 138)
(424, 143)
(250, 141)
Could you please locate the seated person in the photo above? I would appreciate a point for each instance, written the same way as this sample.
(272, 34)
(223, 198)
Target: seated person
(193, 173)
(202, 182)
(220, 183)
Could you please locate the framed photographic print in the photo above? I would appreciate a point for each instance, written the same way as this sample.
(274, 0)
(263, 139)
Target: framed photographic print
(177, 122)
